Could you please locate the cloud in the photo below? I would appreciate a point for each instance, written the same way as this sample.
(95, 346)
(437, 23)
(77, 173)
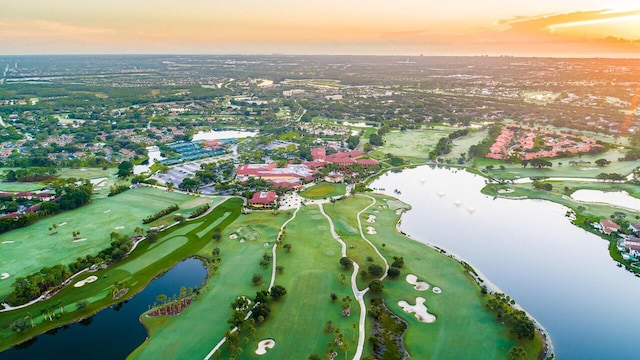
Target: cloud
(549, 23)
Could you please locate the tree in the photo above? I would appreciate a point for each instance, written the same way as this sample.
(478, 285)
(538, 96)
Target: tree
(346, 263)
(376, 286)
(287, 247)
(280, 269)
(256, 279)
(375, 270)
(125, 169)
(602, 162)
(278, 291)
(517, 353)
(334, 297)
(393, 272)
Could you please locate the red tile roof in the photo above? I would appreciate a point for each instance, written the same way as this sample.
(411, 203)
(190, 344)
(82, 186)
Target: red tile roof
(264, 197)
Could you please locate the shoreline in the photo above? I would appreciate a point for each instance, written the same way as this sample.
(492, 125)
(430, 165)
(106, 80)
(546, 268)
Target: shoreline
(481, 280)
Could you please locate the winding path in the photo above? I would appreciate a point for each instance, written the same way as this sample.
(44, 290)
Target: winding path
(386, 264)
(273, 279)
(359, 295)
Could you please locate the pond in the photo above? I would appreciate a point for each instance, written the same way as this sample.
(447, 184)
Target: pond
(562, 275)
(225, 134)
(114, 332)
(616, 198)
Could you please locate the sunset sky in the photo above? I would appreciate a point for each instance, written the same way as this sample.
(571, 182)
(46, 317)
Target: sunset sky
(405, 27)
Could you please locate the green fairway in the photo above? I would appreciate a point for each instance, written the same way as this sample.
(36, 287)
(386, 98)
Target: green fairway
(324, 190)
(205, 323)
(26, 250)
(311, 272)
(143, 264)
(412, 144)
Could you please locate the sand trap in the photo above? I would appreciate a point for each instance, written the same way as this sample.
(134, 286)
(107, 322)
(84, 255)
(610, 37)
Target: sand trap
(242, 241)
(4, 276)
(506, 191)
(119, 227)
(440, 194)
(88, 280)
(62, 224)
(79, 240)
(233, 236)
(399, 212)
(7, 242)
(266, 244)
(436, 290)
(107, 211)
(457, 203)
(418, 285)
(371, 219)
(264, 345)
(471, 210)
(371, 230)
(419, 309)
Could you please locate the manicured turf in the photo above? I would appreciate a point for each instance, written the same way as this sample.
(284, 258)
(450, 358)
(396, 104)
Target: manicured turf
(413, 144)
(463, 323)
(324, 190)
(146, 263)
(561, 167)
(33, 247)
(192, 334)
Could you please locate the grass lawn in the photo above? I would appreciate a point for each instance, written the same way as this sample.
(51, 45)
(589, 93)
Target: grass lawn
(26, 250)
(561, 167)
(205, 324)
(145, 263)
(412, 144)
(324, 190)
(463, 322)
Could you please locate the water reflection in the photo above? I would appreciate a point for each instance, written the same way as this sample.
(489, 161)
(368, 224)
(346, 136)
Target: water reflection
(558, 272)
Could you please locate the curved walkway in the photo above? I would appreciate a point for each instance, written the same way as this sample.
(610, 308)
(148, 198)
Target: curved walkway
(386, 264)
(273, 279)
(359, 295)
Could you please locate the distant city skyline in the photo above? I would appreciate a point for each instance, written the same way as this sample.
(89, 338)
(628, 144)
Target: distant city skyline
(376, 27)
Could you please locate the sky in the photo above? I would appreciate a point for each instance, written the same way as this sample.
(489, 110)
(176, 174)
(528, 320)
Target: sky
(579, 28)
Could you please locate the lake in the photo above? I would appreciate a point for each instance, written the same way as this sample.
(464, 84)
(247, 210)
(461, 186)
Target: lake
(225, 134)
(559, 273)
(114, 332)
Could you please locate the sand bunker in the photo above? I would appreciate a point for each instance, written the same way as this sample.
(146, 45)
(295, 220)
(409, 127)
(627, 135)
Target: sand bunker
(436, 290)
(419, 309)
(119, 227)
(7, 242)
(265, 345)
(440, 194)
(4, 276)
(107, 211)
(79, 240)
(371, 230)
(266, 244)
(371, 219)
(418, 285)
(506, 191)
(242, 241)
(233, 236)
(62, 224)
(88, 280)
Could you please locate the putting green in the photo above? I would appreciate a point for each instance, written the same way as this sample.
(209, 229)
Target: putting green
(324, 190)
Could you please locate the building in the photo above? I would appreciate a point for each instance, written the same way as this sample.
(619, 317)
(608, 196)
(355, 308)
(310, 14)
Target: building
(290, 176)
(264, 199)
(608, 226)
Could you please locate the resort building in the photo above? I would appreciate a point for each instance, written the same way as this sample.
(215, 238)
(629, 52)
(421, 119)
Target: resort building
(264, 199)
(290, 176)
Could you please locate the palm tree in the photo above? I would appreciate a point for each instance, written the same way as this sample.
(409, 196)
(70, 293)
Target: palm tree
(60, 305)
